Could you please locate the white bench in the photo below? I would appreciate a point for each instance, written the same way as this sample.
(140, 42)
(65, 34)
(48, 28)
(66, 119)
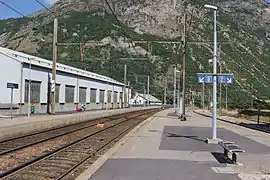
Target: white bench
(231, 148)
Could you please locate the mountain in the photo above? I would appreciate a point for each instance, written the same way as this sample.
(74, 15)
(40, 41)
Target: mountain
(243, 28)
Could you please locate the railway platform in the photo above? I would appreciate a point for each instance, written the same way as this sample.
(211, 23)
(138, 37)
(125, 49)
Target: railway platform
(165, 148)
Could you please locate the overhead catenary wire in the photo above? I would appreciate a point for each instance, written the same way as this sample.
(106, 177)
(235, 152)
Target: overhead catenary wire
(120, 25)
(13, 9)
(40, 3)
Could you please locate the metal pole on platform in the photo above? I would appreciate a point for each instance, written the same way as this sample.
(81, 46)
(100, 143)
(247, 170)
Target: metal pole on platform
(220, 85)
(178, 95)
(226, 97)
(184, 67)
(214, 117)
(203, 95)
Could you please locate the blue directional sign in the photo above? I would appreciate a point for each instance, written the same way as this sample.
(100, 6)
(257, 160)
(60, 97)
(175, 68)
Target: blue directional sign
(225, 79)
(207, 78)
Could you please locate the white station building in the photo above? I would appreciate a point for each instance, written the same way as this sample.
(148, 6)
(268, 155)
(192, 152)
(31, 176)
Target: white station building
(142, 99)
(73, 86)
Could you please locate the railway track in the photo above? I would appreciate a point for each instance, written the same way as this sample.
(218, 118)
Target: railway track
(58, 163)
(19, 142)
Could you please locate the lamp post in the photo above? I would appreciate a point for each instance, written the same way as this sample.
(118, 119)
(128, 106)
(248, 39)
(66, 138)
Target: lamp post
(214, 116)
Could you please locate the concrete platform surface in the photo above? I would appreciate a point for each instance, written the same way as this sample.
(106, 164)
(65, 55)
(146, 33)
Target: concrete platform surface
(165, 148)
(23, 125)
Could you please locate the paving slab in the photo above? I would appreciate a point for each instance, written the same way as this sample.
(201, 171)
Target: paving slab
(156, 169)
(168, 149)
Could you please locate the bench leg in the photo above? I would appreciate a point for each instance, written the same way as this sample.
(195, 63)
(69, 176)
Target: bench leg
(234, 158)
(226, 152)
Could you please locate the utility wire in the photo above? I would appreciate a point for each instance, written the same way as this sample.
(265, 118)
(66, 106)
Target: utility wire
(119, 23)
(40, 3)
(12, 9)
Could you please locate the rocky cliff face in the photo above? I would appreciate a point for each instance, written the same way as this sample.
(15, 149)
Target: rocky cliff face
(242, 27)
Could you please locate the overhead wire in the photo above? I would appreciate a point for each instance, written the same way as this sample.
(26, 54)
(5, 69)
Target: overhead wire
(9, 6)
(120, 25)
(40, 3)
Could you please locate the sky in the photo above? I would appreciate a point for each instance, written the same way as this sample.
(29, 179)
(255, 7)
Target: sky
(24, 6)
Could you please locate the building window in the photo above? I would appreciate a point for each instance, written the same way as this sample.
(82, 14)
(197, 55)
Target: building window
(34, 91)
(101, 96)
(93, 95)
(109, 96)
(69, 93)
(115, 96)
(82, 94)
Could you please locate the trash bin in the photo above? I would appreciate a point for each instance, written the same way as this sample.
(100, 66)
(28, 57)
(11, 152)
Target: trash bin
(33, 109)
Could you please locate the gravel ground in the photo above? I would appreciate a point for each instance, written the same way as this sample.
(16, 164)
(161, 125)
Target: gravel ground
(20, 156)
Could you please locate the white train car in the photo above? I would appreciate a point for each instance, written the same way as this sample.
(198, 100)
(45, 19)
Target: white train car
(73, 86)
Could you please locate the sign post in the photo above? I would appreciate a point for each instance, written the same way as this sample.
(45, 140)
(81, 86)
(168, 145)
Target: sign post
(210, 78)
(11, 86)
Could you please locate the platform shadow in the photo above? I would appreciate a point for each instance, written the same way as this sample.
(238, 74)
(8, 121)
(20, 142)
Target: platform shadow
(221, 158)
(175, 115)
(184, 136)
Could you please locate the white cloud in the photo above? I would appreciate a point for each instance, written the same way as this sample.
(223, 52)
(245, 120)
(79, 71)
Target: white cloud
(51, 2)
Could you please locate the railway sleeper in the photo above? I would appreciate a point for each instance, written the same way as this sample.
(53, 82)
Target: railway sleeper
(62, 165)
(79, 151)
(67, 161)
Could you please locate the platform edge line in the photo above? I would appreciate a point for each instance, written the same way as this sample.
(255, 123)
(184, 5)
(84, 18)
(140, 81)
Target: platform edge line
(88, 173)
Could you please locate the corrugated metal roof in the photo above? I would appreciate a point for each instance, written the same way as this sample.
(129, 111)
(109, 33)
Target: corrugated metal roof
(150, 97)
(26, 58)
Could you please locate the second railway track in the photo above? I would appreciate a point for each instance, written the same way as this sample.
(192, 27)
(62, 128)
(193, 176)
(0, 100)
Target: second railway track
(59, 162)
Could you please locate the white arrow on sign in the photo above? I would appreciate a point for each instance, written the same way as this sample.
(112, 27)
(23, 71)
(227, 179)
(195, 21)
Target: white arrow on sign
(229, 80)
(201, 80)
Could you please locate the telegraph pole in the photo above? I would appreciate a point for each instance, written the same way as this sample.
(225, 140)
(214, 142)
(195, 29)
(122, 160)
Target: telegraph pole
(144, 95)
(148, 84)
(29, 88)
(82, 51)
(178, 96)
(252, 96)
(165, 91)
(54, 64)
(174, 87)
(128, 93)
(184, 66)
(125, 81)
